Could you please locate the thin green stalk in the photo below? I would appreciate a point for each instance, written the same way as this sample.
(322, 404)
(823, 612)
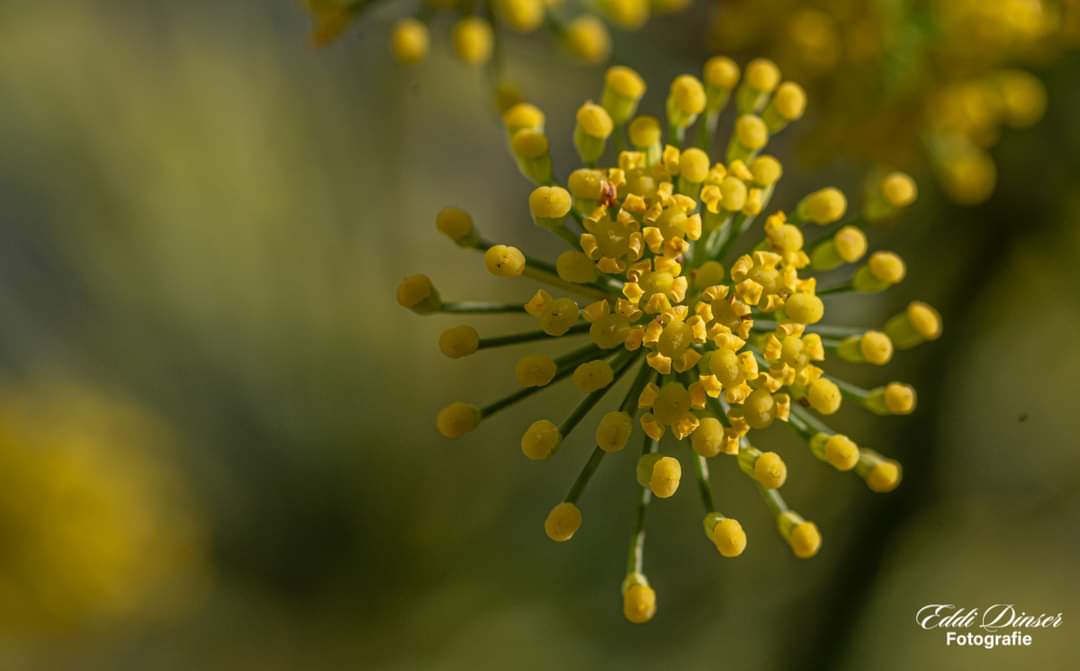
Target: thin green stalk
(846, 287)
(563, 372)
(480, 308)
(702, 470)
(529, 336)
(635, 560)
(828, 331)
(773, 500)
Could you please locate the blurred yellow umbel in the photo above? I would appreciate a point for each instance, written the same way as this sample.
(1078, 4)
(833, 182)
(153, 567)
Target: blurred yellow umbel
(718, 345)
(94, 524)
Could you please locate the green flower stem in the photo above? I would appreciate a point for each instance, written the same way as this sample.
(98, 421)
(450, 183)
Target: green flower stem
(739, 225)
(642, 379)
(720, 410)
(623, 361)
(851, 391)
(701, 468)
(858, 221)
(479, 308)
(805, 423)
(530, 336)
(587, 352)
(773, 500)
(635, 560)
(563, 372)
(764, 325)
(846, 287)
(555, 281)
(542, 271)
(586, 473)
(676, 135)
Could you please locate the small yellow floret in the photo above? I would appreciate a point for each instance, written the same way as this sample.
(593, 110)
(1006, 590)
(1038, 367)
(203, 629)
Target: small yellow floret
(804, 308)
(457, 419)
(824, 396)
(523, 115)
(473, 40)
(587, 39)
(586, 184)
(625, 82)
(721, 72)
(751, 132)
(762, 75)
(454, 223)
(574, 266)
(529, 143)
(899, 189)
(899, 398)
(687, 95)
(414, 290)
(562, 522)
(593, 375)
(708, 439)
(770, 470)
(550, 202)
(708, 274)
(523, 16)
(558, 316)
(884, 476)
(841, 452)
(766, 170)
(876, 348)
(409, 41)
(594, 121)
(639, 603)
(666, 474)
(729, 537)
(614, 431)
(805, 540)
(644, 132)
(535, 371)
(850, 243)
(504, 261)
(541, 440)
(694, 165)
(790, 101)
(886, 267)
(924, 319)
(459, 341)
(823, 207)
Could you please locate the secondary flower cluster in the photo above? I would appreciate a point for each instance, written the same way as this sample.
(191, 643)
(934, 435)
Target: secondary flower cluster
(945, 74)
(584, 34)
(718, 344)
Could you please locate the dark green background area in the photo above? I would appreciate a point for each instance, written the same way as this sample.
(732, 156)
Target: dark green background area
(205, 215)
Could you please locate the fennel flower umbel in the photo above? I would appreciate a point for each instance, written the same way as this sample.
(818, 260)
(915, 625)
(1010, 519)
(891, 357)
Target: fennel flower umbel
(718, 345)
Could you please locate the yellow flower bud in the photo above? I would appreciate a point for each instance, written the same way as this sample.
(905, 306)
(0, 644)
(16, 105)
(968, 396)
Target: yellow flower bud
(871, 347)
(457, 225)
(522, 116)
(614, 431)
(409, 41)
(523, 16)
(1023, 97)
(770, 470)
(804, 308)
(586, 187)
(969, 176)
(728, 537)
(574, 266)
(721, 73)
(504, 261)
(623, 90)
(531, 151)
(459, 341)
(593, 375)
(593, 127)
(822, 207)
(805, 540)
(457, 419)
(899, 190)
(734, 193)
(708, 439)
(846, 246)
(535, 371)
(417, 293)
(693, 165)
(541, 440)
(562, 522)
(837, 449)
(626, 14)
(882, 270)
(884, 476)
(766, 171)
(708, 274)
(473, 40)
(587, 39)
(762, 75)
(610, 331)
(759, 409)
(751, 135)
(916, 324)
(645, 132)
(639, 603)
(685, 101)
(558, 316)
(549, 205)
(824, 396)
(660, 474)
(790, 101)
(899, 398)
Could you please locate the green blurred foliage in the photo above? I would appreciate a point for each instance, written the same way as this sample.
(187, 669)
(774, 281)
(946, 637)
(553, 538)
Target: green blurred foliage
(202, 212)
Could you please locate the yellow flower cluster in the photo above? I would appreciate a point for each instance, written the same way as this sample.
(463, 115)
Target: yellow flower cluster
(952, 66)
(718, 343)
(585, 36)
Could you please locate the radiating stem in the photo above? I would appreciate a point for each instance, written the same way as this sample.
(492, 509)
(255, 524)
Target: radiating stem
(635, 560)
(702, 470)
(529, 336)
(587, 403)
(764, 325)
(844, 288)
(479, 308)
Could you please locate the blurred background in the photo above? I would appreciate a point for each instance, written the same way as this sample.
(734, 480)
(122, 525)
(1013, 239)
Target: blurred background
(217, 444)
